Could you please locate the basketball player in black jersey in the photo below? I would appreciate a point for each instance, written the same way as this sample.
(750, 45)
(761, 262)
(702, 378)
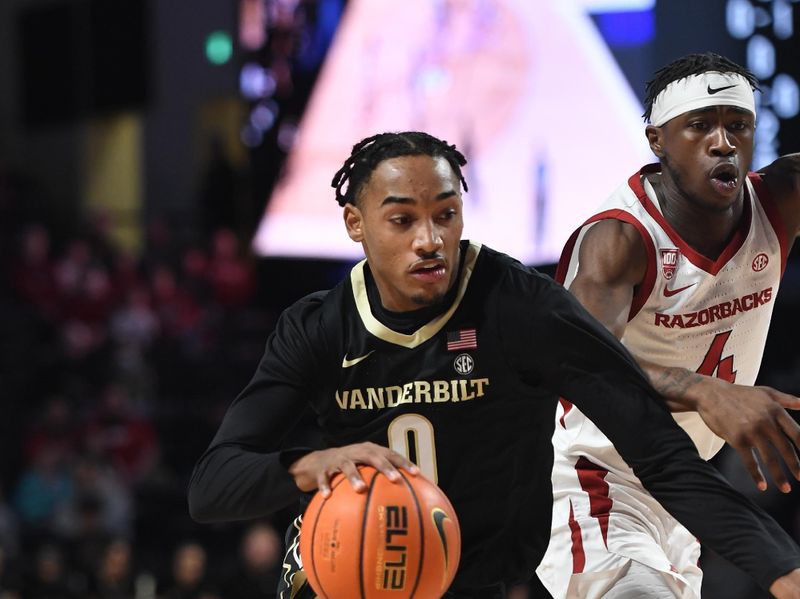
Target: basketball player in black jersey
(464, 350)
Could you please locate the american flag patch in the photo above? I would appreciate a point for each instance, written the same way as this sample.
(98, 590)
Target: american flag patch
(463, 339)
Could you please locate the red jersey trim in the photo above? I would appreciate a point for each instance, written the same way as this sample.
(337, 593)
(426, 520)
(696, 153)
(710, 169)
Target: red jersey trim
(593, 482)
(645, 288)
(578, 554)
(773, 215)
(696, 258)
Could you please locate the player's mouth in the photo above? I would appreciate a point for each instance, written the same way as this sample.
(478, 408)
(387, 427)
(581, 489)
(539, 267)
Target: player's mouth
(725, 178)
(429, 271)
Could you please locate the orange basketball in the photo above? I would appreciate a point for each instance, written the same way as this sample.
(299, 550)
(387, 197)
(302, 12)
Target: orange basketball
(395, 541)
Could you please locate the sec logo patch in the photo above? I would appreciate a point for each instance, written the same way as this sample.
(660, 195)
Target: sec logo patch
(760, 262)
(463, 364)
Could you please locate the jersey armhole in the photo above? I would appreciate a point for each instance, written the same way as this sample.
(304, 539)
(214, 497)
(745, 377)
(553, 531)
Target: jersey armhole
(645, 288)
(764, 197)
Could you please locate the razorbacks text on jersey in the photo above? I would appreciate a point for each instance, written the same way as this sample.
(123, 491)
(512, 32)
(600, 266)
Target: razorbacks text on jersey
(709, 316)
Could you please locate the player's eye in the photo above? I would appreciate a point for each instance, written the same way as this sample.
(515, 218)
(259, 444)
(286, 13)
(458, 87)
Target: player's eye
(400, 219)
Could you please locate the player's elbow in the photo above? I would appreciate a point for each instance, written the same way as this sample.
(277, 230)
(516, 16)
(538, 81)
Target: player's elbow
(201, 506)
(199, 509)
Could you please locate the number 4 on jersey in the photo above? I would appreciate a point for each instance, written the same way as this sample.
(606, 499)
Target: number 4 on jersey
(714, 364)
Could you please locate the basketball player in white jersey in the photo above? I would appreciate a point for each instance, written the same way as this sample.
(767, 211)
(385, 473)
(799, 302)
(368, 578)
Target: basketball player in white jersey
(682, 263)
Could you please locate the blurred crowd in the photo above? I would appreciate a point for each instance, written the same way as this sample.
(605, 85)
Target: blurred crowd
(115, 371)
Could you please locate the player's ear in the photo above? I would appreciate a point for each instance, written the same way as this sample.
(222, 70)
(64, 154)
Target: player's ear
(354, 221)
(653, 134)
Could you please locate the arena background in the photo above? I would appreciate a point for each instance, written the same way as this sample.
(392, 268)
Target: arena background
(151, 229)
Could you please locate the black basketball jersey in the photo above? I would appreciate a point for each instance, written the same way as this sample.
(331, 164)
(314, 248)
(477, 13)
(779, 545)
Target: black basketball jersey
(470, 396)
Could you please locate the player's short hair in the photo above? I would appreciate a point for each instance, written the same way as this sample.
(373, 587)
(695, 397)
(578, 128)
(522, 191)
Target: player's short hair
(691, 64)
(368, 153)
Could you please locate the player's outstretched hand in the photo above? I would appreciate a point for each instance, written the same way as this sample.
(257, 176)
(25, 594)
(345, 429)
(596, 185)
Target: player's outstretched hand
(315, 470)
(787, 586)
(755, 423)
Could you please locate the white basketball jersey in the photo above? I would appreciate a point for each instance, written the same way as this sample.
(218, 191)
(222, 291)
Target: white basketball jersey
(709, 316)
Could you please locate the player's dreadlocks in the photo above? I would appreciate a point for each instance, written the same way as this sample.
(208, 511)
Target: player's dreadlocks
(692, 64)
(369, 152)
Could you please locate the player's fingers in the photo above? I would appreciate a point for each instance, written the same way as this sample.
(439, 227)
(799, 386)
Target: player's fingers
(323, 484)
(751, 465)
(790, 402)
(791, 441)
(400, 461)
(384, 465)
(790, 427)
(769, 457)
(350, 471)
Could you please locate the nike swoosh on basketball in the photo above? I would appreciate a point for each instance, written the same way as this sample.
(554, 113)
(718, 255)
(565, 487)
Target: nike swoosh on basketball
(439, 516)
(714, 90)
(671, 292)
(352, 362)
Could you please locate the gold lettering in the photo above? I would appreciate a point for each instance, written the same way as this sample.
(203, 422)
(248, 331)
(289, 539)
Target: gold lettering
(394, 395)
(441, 391)
(375, 397)
(407, 398)
(422, 389)
(479, 383)
(464, 396)
(357, 400)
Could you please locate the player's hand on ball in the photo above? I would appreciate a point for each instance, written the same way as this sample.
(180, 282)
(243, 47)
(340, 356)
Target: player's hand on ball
(315, 470)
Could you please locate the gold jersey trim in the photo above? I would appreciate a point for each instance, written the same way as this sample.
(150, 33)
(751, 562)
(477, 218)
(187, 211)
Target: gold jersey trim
(426, 331)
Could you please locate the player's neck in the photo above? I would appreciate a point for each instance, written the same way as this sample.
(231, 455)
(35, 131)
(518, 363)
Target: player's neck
(707, 230)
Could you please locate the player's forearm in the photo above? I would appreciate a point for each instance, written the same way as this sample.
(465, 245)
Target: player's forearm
(735, 528)
(230, 483)
(681, 388)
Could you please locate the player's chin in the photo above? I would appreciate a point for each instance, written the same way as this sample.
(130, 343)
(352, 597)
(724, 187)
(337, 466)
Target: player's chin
(428, 297)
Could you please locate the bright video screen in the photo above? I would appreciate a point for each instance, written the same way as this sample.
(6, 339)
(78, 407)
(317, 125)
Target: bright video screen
(528, 91)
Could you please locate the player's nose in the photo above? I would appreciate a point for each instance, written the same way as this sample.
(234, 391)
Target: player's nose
(427, 237)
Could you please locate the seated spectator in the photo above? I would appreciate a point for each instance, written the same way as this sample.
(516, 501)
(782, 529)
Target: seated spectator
(232, 277)
(49, 578)
(114, 578)
(99, 485)
(189, 578)
(71, 268)
(10, 584)
(33, 275)
(9, 531)
(259, 567)
(44, 488)
(179, 313)
(54, 431)
(116, 432)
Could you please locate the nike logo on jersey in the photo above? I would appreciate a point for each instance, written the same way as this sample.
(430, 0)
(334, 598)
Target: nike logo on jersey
(439, 516)
(352, 362)
(713, 90)
(670, 292)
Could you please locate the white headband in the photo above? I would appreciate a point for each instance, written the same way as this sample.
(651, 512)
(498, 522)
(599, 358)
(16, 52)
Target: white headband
(701, 91)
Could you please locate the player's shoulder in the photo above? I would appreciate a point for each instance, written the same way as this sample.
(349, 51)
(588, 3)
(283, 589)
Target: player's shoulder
(613, 237)
(497, 270)
(315, 312)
